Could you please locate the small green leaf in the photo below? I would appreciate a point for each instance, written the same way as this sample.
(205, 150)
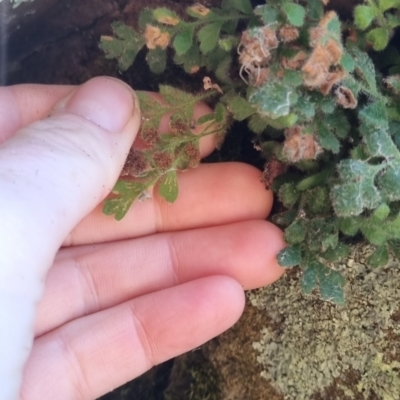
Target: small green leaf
(365, 68)
(295, 13)
(315, 9)
(392, 20)
(379, 37)
(317, 200)
(168, 188)
(385, 5)
(258, 124)
(358, 191)
(183, 40)
(379, 257)
(292, 78)
(289, 256)
(273, 99)
(166, 16)
(157, 60)
(331, 287)
(124, 47)
(285, 218)
(239, 107)
(347, 62)
(145, 18)
(363, 16)
(295, 233)
(309, 278)
(326, 138)
(374, 233)
(126, 193)
(208, 36)
(190, 60)
(331, 282)
(306, 107)
(243, 6)
(268, 14)
(288, 194)
(382, 212)
(389, 182)
(350, 225)
(205, 118)
(228, 43)
(340, 251)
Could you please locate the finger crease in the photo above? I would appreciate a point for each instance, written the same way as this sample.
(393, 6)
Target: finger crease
(79, 381)
(88, 285)
(175, 266)
(144, 338)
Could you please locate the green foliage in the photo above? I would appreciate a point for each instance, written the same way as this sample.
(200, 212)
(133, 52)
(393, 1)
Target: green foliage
(324, 105)
(330, 282)
(381, 16)
(165, 154)
(290, 256)
(295, 13)
(124, 46)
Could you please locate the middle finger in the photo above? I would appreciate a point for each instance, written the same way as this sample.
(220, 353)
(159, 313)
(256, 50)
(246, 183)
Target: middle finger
(94, 278)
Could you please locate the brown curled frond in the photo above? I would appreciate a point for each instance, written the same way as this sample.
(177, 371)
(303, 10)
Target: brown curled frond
(135, 164)
(163, 160)
(295, 62)
(288, 33)
(149, 135)
(345, 97)
(208, 85)
(298, 146)
(332, 78)
(272, 169)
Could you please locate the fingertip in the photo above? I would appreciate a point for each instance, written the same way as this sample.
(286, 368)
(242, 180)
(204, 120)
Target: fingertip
(105, 101)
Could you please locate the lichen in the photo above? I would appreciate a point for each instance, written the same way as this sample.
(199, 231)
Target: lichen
(313, 342)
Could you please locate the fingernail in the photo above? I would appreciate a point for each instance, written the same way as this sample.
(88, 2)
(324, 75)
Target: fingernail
(105, 101)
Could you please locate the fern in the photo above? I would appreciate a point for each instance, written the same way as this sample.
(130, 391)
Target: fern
(308, 86)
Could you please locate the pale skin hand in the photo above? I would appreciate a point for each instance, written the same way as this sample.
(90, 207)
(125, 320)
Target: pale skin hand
(121, 297)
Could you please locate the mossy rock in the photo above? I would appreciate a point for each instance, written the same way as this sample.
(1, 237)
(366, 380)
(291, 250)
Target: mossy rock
(289, 346)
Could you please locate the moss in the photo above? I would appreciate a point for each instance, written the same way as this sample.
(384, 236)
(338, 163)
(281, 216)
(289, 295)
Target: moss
(315, 344)
(193, 378)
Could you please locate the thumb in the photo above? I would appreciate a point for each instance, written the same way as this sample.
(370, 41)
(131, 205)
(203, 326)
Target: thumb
(53, 173)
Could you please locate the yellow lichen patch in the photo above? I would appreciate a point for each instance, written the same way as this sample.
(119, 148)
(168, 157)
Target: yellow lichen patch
(155, 38)
(354, 340)
(199, 9)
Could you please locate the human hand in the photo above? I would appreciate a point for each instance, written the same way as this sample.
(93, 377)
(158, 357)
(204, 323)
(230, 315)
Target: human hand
(119, 297)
